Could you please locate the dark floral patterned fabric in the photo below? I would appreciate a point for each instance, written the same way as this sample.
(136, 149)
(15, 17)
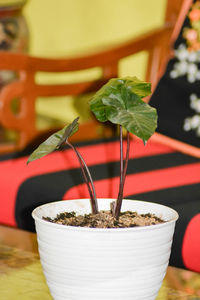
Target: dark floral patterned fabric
(177, 96)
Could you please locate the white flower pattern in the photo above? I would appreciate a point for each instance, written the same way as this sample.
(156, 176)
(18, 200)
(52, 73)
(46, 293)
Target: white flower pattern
(193, 123)
(188, 64)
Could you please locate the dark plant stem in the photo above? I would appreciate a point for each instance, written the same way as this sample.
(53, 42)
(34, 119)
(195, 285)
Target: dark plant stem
(127, 156)
(88, 179)
(123, 170)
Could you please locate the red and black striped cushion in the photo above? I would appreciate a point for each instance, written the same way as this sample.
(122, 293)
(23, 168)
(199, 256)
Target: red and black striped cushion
(155, 173)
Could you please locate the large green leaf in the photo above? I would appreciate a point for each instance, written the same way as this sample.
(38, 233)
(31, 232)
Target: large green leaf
(54, 141)
(115, 88)
(120, 102)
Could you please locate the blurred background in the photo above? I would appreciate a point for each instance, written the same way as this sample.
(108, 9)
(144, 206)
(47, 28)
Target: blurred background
(75, 27)
(70, 27)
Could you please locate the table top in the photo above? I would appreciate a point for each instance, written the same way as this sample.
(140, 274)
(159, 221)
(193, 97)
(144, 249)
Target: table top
(21, 275)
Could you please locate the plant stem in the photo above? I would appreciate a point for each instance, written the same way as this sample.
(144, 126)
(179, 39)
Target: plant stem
(88, 179)
(123, 170)
(127, 156)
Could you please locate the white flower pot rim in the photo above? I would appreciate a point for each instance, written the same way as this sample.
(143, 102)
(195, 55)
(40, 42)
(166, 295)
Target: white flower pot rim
(108, 230)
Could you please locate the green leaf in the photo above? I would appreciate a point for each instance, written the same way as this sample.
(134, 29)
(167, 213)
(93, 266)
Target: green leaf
(54, 141)
(138, 86)
(120, 102)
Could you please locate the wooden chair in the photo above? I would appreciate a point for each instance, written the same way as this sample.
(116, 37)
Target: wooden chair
(158, 43)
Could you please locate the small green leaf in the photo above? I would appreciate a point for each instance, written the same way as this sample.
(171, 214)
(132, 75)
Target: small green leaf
(54, 141)
(120, 102)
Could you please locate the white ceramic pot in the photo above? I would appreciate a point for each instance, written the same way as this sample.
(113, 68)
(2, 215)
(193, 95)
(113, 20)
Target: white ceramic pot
(104, 264)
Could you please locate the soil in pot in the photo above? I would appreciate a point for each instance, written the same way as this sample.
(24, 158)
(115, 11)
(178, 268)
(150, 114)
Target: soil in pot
(105, 219)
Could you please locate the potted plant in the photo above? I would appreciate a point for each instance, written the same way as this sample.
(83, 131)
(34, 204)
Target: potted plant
(113, 259)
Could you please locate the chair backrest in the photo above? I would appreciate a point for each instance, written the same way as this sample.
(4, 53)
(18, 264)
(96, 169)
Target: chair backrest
(158, 44)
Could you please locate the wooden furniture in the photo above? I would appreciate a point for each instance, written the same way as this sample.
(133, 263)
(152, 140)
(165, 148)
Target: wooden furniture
(21, 274)
(158, 43)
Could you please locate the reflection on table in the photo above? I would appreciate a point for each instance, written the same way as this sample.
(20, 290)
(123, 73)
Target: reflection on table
(21, 275)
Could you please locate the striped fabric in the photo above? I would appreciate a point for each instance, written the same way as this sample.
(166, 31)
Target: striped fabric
(156, 173)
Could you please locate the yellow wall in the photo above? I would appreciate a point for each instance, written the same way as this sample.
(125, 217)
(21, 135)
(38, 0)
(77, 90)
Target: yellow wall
(68, 27)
